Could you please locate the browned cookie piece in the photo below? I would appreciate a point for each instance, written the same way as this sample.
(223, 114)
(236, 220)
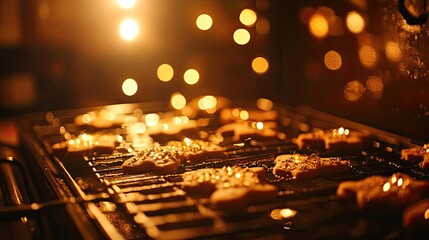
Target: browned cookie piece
(303, 166)
(238, 198)
(384, 193)
(157, 160)
(229, 188)
(416, 154)
(194, 150)
(87, 144)
(415, 220)
(239, 131)
(333, 140)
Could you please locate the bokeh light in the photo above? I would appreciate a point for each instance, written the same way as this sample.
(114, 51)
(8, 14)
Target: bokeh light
(178, 101)
(368, 56)
(375, 86)
(129, 87)
(128, 29)
(260, 65)
(207, 102)
(126, 4)
(333, 60)
(393, 51)
(355, 22)
(353, 91)
(264, 104)
(241, 36)
(248, 17)
(165, 72)
(318, 25)
(204, 22)
(152, 119)
(191, 76)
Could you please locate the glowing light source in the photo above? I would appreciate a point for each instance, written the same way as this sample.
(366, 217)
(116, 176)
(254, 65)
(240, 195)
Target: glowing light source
(318, 25)
(375, 86)
(204, 22)
(262, 26)
(248, 17)
(128, 29)
(126, 4)
(393, 52)
(178, 101)
(264, 104)
(355, 22)
(368, 56)
(165, 72)
(244, 115)
(207, 102)
(191, 76)
(129, 87)
(353, 90)
(260, 65)
(152, 119)
(241, 36)
(333, 60)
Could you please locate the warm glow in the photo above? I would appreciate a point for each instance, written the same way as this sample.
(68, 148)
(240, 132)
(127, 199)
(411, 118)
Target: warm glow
(128, 29)
(287, 213)
(241, 36)
(355, 22)
(244, 115)
(129, 87)
(353, 90)
(152, 119)
(263, 26)
(259, 125)
(248, 17)
(368, 56)
(393, 51)
(375, 86)
(264, 104)
(386, 187)
(126, 4)
(318, 26)
(333, 60)
(204, 22)
(191, 76)
(165, 72)
(207, 102)
(335, 26)
(178, 101)
(260, 65)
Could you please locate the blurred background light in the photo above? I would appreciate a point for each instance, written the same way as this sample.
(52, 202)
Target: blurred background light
(126, 4)
(260, 65)
(128, 29)
(204, 22)
(318, 25)
(178, 101)
(355, 22)
(165, 72)
(191, 76)
(129, 87)
(241, 36)
(248, 17)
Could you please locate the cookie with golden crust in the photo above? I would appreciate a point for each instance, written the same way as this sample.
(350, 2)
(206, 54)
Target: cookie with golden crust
(229, 188)
(333, 140)
(87, 144)
(384, 193)
(304, 166)
(156, 160)
(194, 150)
